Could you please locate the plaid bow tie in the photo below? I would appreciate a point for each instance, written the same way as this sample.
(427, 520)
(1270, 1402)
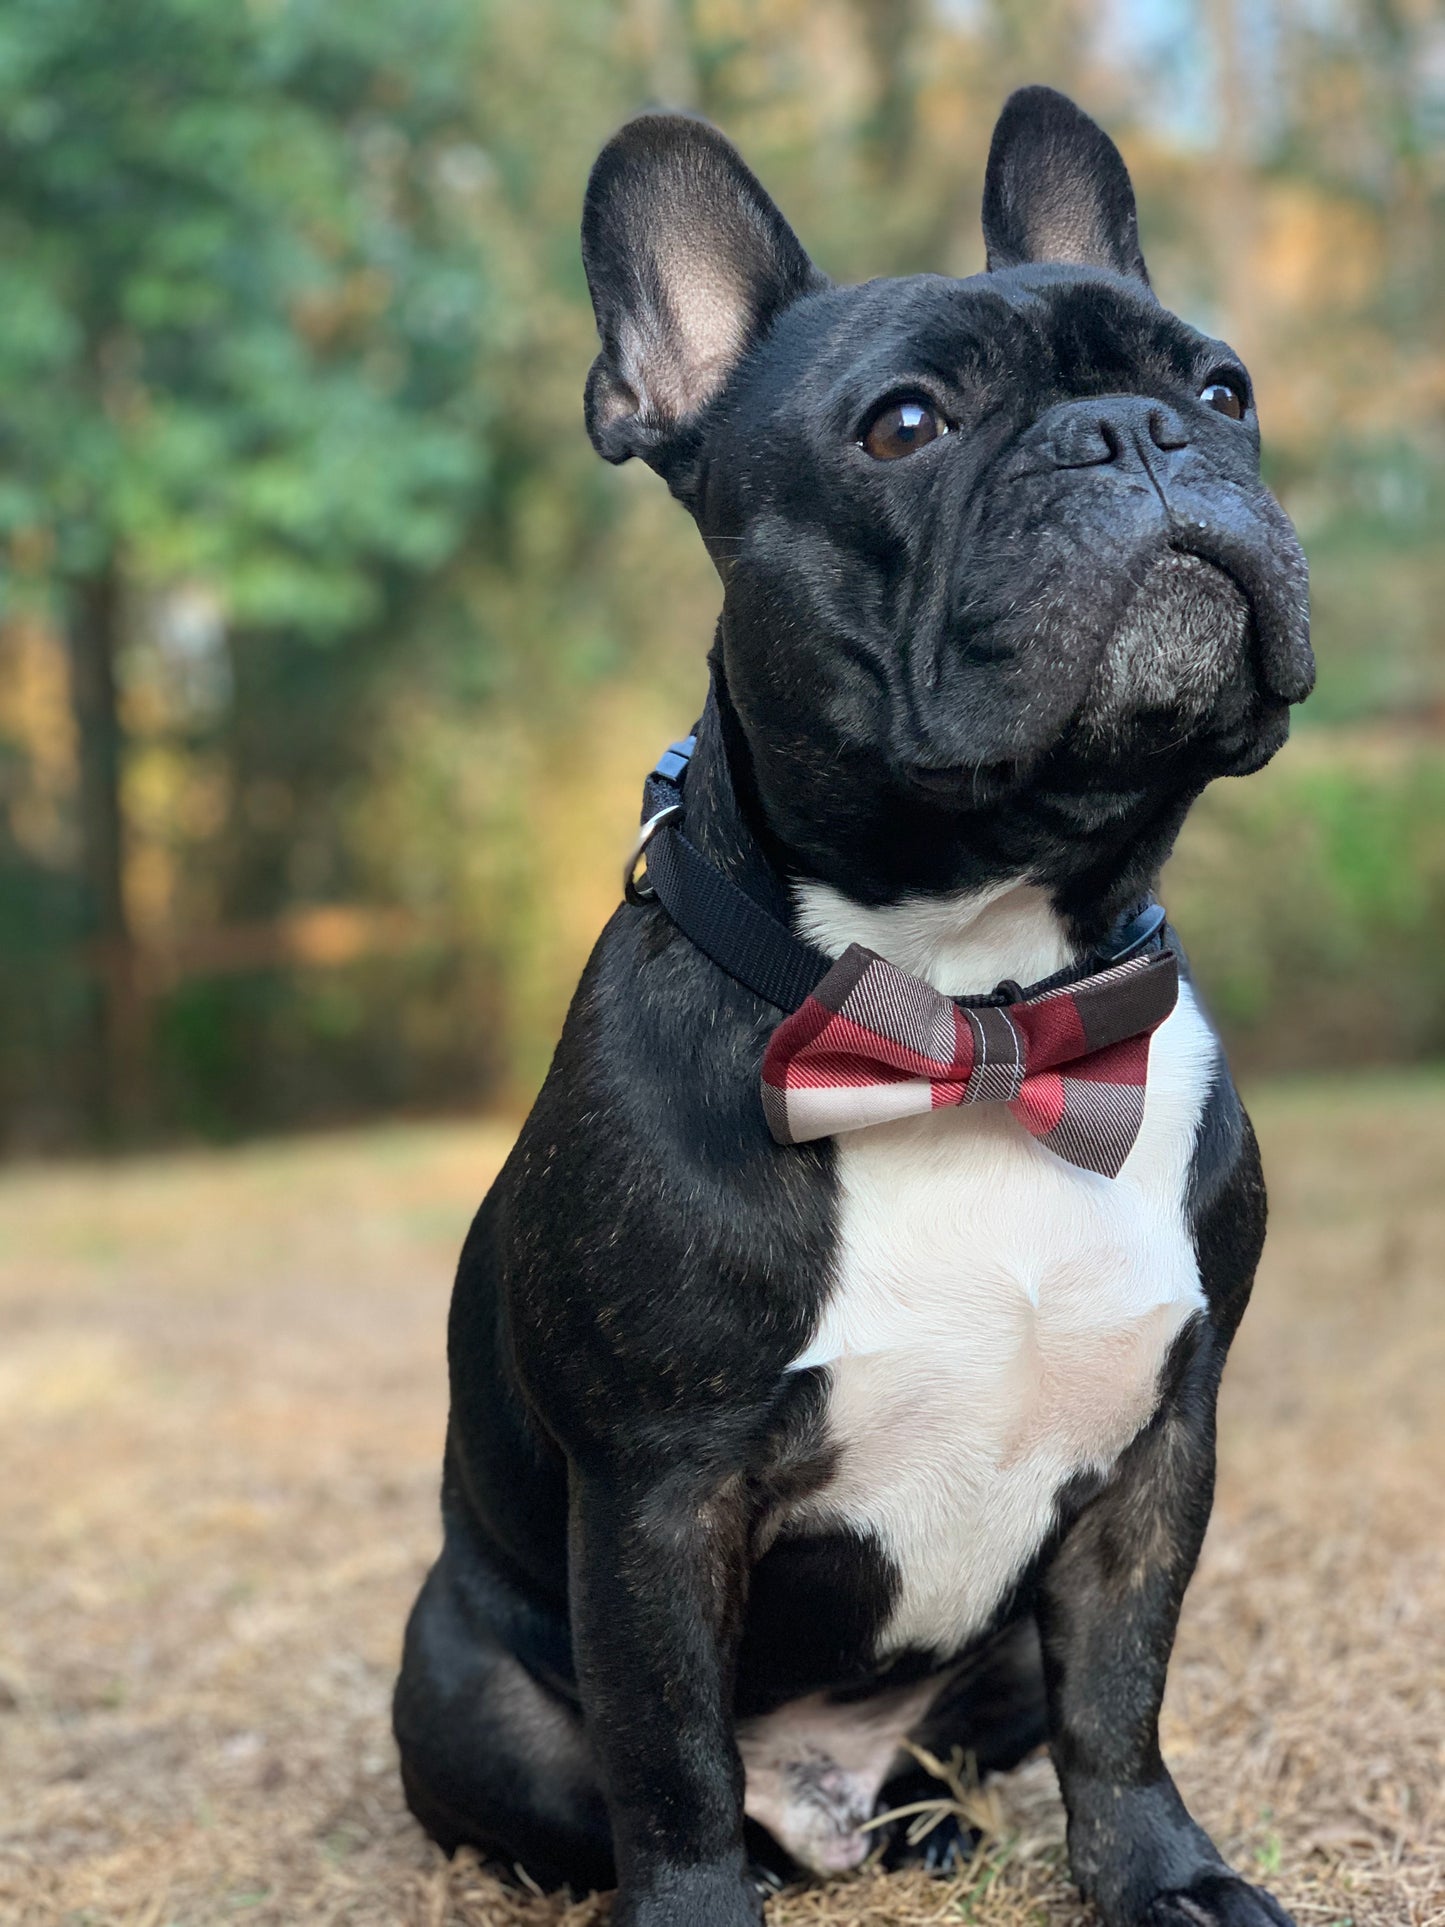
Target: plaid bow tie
(872, 1043)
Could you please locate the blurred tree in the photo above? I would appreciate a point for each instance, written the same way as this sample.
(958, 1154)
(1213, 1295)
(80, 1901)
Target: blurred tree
(238, 344)
(356, 628)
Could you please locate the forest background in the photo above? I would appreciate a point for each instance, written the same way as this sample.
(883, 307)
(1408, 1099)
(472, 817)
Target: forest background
(331, 659)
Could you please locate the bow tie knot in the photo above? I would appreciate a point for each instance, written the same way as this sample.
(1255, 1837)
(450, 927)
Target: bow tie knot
(872, 1043)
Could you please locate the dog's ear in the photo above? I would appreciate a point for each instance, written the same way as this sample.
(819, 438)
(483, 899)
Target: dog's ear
(1057, 189)
(688, 262)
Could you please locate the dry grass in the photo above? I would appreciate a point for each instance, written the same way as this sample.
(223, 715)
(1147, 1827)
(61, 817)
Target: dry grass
(222, 1384)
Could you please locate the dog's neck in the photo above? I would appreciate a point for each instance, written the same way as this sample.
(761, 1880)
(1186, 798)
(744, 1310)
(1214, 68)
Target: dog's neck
(961, 944)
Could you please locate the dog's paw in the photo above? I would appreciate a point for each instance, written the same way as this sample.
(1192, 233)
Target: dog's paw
(942, 1851)
(740, 1907)
(1217, 1900)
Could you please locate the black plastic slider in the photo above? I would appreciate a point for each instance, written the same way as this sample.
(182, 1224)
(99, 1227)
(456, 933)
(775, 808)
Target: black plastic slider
(1137, 934)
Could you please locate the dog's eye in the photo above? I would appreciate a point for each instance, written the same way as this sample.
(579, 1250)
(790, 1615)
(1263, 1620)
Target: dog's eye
(1225, 397)
(902, 428)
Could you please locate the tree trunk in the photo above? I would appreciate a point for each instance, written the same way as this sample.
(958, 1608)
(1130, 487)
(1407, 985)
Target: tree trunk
(115, 1050)
(1234, 193)
(889, 27)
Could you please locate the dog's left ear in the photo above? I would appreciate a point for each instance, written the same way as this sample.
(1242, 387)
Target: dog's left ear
(689, 262)
(1057, 189)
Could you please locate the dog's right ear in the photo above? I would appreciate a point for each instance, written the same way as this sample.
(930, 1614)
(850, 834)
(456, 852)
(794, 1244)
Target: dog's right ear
(689, 262)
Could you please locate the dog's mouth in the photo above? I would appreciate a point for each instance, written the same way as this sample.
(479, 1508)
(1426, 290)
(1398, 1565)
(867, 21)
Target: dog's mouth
(1182, 682)
(969, 785)
(1182, 642)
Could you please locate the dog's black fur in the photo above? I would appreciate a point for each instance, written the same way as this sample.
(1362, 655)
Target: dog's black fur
(914, 695)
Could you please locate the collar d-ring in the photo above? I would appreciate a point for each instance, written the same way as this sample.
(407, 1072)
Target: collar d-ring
(634, 891)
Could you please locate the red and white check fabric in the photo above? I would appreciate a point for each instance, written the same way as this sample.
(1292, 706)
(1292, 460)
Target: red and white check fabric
(872, 1043)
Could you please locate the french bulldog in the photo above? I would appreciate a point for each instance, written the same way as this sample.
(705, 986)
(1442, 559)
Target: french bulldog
(766, 1458)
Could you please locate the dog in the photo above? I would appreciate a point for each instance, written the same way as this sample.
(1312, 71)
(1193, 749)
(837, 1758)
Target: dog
(801, 1409)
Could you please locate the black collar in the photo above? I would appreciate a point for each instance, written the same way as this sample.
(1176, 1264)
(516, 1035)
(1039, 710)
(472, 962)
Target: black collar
(730, 926)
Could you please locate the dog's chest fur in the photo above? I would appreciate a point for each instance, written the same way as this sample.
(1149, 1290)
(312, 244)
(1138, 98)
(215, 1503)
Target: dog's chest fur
(998, 1318)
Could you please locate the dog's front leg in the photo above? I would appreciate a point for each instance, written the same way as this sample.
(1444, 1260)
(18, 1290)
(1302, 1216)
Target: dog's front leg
(1108, 1611)
(658, 1579)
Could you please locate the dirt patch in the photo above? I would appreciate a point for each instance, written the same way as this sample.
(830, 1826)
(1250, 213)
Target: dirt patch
(222, 1395)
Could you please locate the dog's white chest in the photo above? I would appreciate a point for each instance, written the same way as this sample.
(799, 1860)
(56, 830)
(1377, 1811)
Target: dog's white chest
(998, 1323)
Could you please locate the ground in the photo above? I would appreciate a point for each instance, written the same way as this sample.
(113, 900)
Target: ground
(222, 1392)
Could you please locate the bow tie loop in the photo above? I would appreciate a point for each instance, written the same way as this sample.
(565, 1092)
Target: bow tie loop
(872, 1043)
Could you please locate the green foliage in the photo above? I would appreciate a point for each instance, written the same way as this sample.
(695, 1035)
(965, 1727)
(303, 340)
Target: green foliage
(1372, 511)
(291, 359)
(260, 1049)
(1312, 900)
(244, 297)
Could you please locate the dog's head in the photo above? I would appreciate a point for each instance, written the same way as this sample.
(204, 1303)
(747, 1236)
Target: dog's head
(1003, 589)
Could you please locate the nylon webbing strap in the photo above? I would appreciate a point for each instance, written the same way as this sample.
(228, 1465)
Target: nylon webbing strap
(725, 923)
(714, 913)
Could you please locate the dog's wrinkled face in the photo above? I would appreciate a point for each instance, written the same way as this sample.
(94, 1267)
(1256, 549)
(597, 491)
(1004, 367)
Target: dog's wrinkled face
(1003, 589)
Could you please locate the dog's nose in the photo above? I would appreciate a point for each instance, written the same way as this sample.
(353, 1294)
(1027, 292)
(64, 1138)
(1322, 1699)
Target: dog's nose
(1129, 431)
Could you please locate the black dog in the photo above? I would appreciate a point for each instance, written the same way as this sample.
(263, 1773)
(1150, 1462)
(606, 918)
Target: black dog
(764, 1456)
